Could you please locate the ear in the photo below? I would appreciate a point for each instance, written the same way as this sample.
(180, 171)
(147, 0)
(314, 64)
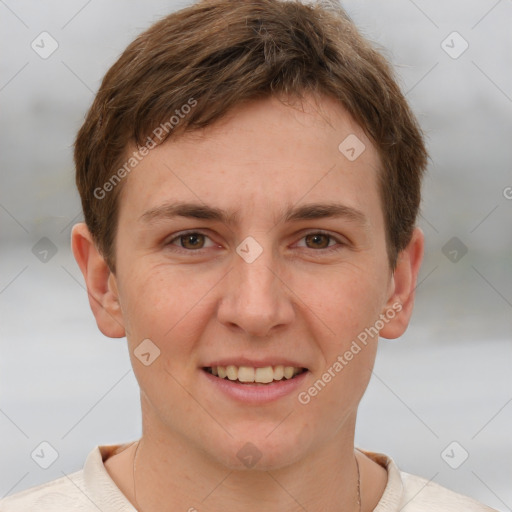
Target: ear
(100, 281)
(403, 283)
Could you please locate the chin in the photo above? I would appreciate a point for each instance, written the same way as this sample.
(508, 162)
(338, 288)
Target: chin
(260, 451)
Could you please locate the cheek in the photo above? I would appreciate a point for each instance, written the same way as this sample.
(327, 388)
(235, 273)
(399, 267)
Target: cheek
(169, 317)
(347, 300)
(155, 299)
(166, 306)
(348, 307)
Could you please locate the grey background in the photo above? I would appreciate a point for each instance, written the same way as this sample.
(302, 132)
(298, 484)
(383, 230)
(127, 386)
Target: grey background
(447, 379)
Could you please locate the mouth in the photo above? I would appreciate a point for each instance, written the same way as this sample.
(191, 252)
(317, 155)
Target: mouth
(261, 376)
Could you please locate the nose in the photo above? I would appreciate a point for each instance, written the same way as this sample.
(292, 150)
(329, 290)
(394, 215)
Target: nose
(256, 299)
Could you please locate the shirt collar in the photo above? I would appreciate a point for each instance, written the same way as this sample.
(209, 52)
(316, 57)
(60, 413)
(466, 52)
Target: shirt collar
(394, 490)
(102, 490)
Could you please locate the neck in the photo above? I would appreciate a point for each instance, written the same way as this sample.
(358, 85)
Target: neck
(173, 473)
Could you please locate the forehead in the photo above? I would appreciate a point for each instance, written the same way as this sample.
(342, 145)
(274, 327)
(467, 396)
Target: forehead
(261, 157)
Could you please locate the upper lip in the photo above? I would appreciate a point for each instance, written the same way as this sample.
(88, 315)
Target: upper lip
(252, 363)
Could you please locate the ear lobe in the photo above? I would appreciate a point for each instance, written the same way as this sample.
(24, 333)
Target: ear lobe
(401, 301)
(101, 283)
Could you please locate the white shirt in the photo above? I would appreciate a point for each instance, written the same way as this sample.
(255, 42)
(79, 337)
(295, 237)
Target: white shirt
(92, 489)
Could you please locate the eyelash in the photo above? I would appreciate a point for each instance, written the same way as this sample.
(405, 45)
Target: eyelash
(340, 246)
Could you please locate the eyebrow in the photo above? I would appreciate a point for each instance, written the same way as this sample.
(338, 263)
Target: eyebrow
(292, 214)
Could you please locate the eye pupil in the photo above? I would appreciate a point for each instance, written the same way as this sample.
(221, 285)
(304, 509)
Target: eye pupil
(317, 237)
(193, 238)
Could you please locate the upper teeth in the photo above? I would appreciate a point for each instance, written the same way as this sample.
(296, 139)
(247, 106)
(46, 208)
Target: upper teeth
(262, 375)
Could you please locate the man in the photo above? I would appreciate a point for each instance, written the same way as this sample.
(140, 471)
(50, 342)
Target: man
(250, 178)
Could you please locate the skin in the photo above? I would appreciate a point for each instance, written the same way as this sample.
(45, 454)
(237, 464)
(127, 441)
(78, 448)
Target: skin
(199, 300)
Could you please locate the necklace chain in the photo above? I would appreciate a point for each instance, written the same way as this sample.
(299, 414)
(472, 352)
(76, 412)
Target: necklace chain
(135, 490)
(358, 484)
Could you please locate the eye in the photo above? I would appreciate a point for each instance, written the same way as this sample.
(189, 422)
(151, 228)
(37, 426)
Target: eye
(191, 240)
(321, 240)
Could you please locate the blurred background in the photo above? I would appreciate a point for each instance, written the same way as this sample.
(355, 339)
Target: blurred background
(440, 402)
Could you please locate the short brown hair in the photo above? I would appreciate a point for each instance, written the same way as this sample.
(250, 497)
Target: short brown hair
(216, 54)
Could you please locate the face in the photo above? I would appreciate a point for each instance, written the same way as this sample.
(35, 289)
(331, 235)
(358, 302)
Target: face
(254, 243)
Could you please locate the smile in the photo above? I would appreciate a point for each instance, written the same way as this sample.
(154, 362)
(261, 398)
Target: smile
(250, 375)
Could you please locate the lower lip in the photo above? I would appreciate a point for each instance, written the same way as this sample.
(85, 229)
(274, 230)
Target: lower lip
(253, 393)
